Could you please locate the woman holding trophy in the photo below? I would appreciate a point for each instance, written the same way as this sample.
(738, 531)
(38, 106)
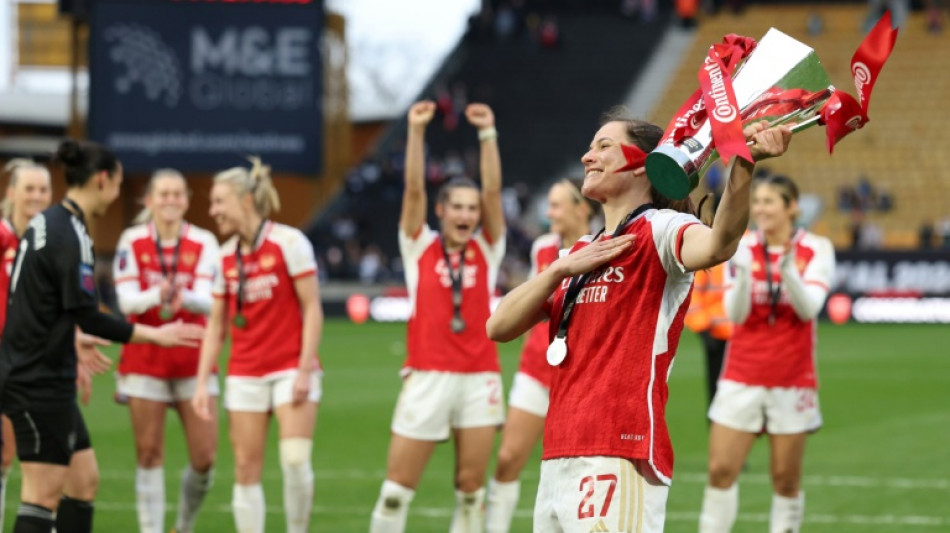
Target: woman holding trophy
(617, 303)
(776, 285)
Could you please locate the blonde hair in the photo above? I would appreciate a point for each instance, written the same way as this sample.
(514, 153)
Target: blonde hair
(255, 181)
(13, 169)
(145, 215)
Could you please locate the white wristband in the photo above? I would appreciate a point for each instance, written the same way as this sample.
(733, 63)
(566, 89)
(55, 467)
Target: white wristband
(487, 134)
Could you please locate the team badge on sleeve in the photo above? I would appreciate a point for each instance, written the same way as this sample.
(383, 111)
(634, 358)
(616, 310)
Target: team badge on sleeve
(87, 281)
(123, 259)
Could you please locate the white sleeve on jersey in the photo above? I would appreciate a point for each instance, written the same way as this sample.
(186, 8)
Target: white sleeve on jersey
(128, 289)
(494, 252)
(667, 226)
(737, 277)
(411, 249)
(807, 291)
(299, 256)
(198, 298)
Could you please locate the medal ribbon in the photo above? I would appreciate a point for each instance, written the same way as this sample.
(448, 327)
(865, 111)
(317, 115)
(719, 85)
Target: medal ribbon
(170, 276)
(577, 282)
(239, 258)
(842, 114)
(76, 209)
(456, 279)
(773, 293)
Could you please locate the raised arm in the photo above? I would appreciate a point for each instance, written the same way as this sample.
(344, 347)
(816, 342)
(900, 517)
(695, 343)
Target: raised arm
(493, 215)
(414, 198)
(704, 247)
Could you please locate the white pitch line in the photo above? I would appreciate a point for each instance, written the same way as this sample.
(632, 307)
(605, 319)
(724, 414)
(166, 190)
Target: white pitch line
(870, 482)
(445, 512)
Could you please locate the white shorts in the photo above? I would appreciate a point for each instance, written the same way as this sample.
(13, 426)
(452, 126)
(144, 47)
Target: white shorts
(775, 410)
(585, 494)
(263, 394)
(432, 403)
(528, 394)
(160, 389)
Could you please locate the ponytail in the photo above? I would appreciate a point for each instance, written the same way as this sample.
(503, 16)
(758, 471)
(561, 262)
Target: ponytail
(84, 159)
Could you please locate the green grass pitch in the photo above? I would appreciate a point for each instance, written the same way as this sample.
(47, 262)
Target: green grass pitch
(881, 462)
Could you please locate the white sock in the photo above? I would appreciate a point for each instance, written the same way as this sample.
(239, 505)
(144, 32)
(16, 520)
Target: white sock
(720, 507)
(469, 514)
(392, 508)
(298, 482)
(247, 501)
(502, 502)
(194, 486)
(787, 513)
(150, 499)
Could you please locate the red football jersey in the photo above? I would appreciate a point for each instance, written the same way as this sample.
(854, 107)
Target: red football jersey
(608, 397)
(431, 343)
(272, 336)
(534, 362)
(8, 247)
(781, 354)
(137, 272)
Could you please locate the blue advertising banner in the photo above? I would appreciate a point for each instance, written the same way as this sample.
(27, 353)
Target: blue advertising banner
(198, 86)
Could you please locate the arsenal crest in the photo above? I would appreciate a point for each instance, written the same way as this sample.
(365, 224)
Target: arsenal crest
(268, 261)
(188, 259)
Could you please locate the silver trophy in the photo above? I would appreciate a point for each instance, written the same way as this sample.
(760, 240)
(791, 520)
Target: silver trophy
(781, 81)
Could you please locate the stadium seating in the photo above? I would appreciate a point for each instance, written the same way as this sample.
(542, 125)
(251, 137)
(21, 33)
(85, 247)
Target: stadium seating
(903, 148)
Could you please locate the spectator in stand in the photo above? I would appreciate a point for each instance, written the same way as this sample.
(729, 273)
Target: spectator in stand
(925, 235)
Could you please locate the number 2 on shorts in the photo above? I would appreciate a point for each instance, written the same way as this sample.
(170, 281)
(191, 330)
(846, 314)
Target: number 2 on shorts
(586, 508)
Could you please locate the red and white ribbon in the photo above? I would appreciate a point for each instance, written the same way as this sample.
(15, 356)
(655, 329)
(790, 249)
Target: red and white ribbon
(842, 114)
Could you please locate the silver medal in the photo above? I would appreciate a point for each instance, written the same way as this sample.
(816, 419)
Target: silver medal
(557, 351)
(458, 325)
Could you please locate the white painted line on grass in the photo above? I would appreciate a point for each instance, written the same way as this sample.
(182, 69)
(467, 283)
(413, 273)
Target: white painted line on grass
(870, 482)
(446, 512)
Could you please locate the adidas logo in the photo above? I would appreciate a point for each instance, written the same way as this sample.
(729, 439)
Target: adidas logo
(600, 527)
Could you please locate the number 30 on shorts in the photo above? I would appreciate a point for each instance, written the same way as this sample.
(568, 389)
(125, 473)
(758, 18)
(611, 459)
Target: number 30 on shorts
(587, 509)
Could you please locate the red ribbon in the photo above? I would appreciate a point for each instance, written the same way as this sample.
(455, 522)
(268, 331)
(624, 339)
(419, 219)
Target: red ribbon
(722, 109)
(723, 59)
(842, 114)
(634, 155)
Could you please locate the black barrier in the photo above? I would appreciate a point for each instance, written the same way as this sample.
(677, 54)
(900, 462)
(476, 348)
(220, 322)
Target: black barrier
(200, 85)
(911, 273)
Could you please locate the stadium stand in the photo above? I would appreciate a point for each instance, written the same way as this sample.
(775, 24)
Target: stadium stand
(901, 151)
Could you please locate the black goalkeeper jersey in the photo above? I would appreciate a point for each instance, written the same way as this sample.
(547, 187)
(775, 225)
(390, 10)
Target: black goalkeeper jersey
(52, 278)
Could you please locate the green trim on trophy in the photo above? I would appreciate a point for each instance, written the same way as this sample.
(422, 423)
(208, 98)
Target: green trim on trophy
(665, 170)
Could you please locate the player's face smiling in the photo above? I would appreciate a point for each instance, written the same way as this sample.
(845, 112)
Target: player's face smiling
(565, 213)
(769, 210)
(32, 192)
(601, 181)
(225, 208)
(168, 199)
(459, 214)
